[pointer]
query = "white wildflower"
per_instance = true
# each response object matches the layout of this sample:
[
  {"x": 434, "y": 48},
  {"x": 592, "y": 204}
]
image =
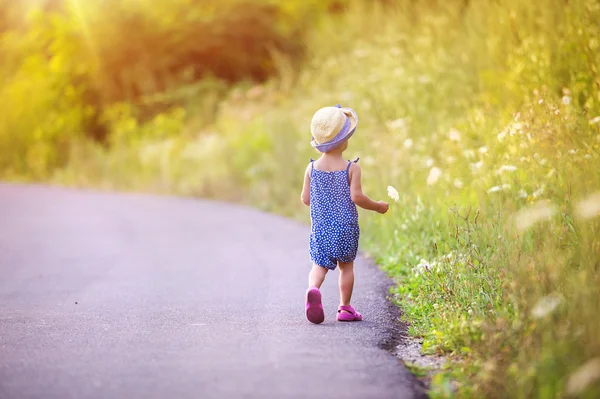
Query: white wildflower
[
  {"x": 544, "y": 306},
  {"x": 393, "y": 193},
  {"x": 429, "y": 162},
  {"x": 451, "y": 159},
  {"x": 408, "y": 143},
  {"x": 583, "y": 377},
  {"x": 502, "y": 135},
  {"x": 476, "y": 165},
  {"x": 483, "y": 150},
  {"x": 595, "y": 120},
  {"x": 566, "y": 100},
  {"x": 507, "y": 168},
  {"x": 458, "y": 183},
  {"x": 529, "y": 216},
  {"x": 403, "y": 226},
  {"x": 454, "y": 135},
  {"x": 498, "y": 188},
  {"x": 538, "y": 192},
  {"x": 589, "y": 207},
  {"x": 572, "y": 152},
  {"x": 434, "y": 175},
  {"x": 522, "y": 193}
]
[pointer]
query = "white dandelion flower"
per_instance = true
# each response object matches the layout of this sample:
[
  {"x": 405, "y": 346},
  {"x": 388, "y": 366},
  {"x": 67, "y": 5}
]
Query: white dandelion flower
[
  {"x": 434, "y": 175},
  {"x": 393, "y": 193},
  {"x": 544, "y": 306}
]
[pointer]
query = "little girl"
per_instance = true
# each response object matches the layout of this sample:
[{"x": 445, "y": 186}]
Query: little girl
[{"x": 332, "y": 190}]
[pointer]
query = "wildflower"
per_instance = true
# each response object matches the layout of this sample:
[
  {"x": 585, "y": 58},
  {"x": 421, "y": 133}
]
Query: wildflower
[
  {"x": 527, "y": 217},
  {"x": 507, "y": 168},
  {"x": 498, "y": 188},
  {"x": 393, "y": 193},
  {"x": 589, "y": 207},
  {"x": 572, "y": 152},
  {"x": 429, "y": 162},
  {"x": 408, "y": 143},
  {"x": 454, "y": 135},
  {"x": 476, "y": 165},
  {"x": 544, "y": 306},
  {"x": 458, "y": 183},
  {"x": 450, "y": 159},
  {"x": 538, "y": 192},
  {"x": 595, "y": 120},
  {"x": 583, "y": 377},
  {"x": 566, "y": 100},
  {"x": 434, "y": 175},
  {"x": 523, "y": 194},
  {"x": 483, "y": 150},
  {"x": 502, "y": 135}
]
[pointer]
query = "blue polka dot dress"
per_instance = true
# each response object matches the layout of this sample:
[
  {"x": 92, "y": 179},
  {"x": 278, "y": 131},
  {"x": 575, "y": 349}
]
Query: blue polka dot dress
[{"x": 334, "y": 218}]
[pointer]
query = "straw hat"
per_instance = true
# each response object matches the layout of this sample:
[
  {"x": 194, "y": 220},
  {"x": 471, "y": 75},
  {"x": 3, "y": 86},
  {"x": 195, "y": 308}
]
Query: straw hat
[{"x": 331, "y": 126}]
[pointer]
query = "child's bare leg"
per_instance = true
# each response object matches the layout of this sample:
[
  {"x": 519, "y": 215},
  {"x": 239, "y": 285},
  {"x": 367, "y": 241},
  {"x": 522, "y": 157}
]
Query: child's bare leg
[
  {"x": 346, "y": 282},
  {"x": 317, "y": 276}
]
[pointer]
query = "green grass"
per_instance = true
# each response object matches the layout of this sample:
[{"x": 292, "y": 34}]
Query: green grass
[{"x": 485, "y": 119}]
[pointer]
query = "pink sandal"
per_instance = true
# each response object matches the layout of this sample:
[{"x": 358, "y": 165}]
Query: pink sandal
[
  {"x": 349, "y": 315},
  {"x": 314, "y": 308}
]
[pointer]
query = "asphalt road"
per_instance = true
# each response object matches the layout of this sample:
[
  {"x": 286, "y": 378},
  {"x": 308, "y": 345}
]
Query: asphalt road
[{"x": 133, "y": 296}]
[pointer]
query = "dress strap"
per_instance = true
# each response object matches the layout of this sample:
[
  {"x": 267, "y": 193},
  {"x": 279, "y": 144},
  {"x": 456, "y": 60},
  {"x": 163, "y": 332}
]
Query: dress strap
[
  {"x": 312, "y": 166},
  {"x": 348, "y": 168}
]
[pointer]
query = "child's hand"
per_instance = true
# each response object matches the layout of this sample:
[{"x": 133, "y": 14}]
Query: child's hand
[{"x": 383, "y": 207}]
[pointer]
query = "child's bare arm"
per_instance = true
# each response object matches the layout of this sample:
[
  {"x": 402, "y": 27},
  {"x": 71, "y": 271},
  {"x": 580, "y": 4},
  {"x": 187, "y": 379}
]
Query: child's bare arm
[
  {"x": 305, "y": 196},
  {"x": 358, "y": 197}
]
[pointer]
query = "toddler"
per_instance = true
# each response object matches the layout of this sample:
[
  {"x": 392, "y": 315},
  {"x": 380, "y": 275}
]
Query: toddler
[{"x": 332, "y": 190}]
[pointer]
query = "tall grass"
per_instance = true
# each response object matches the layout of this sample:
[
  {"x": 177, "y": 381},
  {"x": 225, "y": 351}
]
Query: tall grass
[{"x": 485, "y": 116}]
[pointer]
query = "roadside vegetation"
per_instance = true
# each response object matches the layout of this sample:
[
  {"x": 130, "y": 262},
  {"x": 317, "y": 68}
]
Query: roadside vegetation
[{"x": 483, "y": 117}]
